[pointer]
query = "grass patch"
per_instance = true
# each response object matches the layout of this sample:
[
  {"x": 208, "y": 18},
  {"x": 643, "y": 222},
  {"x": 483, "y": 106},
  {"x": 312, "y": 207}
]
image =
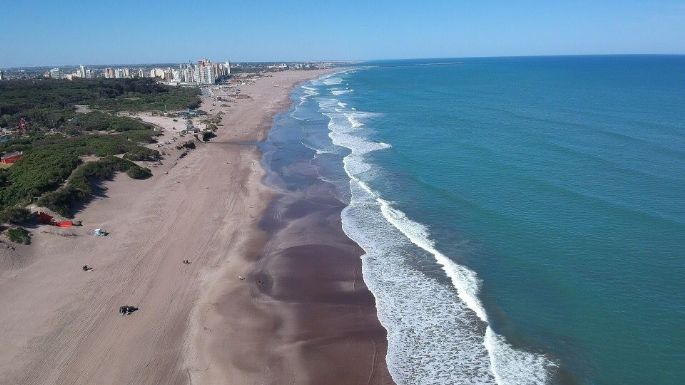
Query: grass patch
[{"x": 19, "y": 235}]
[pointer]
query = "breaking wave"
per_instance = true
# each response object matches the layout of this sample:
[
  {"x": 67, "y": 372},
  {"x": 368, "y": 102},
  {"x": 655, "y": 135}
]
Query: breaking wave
[{"x": 438, "y": 333}]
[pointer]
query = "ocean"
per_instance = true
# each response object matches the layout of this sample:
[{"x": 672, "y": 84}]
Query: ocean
[{"x": 522, "y": 219}]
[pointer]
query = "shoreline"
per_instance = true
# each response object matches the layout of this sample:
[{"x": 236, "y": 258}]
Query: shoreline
[
  {"x": 282, "y": 298},
  {"x": 205, "y": 207}
]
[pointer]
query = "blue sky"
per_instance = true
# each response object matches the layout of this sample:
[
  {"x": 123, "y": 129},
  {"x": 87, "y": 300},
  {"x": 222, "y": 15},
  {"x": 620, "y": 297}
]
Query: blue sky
[{"x": 52, "y": 32}]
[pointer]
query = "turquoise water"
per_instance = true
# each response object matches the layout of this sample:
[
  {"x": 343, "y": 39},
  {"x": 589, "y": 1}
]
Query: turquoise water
[{"x": 523, "y": 218}]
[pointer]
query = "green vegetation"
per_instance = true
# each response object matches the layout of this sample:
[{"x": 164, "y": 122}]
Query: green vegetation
[
  {"x": 51, "y": 170},
  {"x": 16, "y": 215},
  {"x": 142, "y": 153},
  {"x": 101, "y": 121},
  {"x": 19, "y": 235},
  {"x": 49, "y": 161},
  {"x": 50, "y": 104},
  {"x": 139, "y": 172},
  {"x": 80, "y": 187}
]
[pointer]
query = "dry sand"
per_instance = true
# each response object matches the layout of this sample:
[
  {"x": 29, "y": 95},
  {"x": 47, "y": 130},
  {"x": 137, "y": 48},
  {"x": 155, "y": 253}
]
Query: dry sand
[{"x": 197, "y": 323}]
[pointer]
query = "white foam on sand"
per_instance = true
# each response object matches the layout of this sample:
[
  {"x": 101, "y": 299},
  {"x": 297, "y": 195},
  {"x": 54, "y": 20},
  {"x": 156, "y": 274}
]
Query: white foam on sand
[{"x": 437, "y": 333}]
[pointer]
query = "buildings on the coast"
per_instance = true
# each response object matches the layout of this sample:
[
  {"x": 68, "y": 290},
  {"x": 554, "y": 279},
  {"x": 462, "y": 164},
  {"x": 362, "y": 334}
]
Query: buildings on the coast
[
  {"x": 192, "y": 73},
  {"x": 201, "y": 72},
  {"x": 204, "y": 71}
]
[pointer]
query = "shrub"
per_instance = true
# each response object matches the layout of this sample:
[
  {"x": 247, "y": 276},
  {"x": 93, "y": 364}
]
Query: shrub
[
  {"x": 60, "y": 201},
  {"x": 19, "y": 235},
  {"x": 50, "y": 159},
  {"x": 16, "y": 215},
  {"x": 79, "y": 189},
  {"x": 142, "y": 153},
  {"x": 138, "y": 172},
  {"x": 207, "y": 135}
]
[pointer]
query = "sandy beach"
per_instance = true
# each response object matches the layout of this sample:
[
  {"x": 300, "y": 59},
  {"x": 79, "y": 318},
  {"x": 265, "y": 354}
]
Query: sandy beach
[{"x": 208, "y": 322}]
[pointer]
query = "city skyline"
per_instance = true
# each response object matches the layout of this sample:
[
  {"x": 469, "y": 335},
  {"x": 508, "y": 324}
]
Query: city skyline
[
  {"x": 202, "y": 72},
  {"x": 165, "y": 63}
]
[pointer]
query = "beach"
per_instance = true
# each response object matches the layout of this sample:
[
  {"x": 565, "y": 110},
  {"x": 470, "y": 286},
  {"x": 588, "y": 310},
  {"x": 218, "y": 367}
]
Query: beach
[{"x": 235, "y": 314}]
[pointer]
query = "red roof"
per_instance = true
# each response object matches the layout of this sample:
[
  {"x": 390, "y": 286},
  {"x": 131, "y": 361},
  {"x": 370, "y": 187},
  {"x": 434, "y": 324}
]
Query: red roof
[{"x": 11, "y": 158}]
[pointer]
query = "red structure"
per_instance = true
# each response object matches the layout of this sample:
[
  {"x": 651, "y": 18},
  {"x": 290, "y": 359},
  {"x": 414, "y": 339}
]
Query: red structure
[
  {"x": 11, "y": 158},
  {"x": 44, "y": 219}
]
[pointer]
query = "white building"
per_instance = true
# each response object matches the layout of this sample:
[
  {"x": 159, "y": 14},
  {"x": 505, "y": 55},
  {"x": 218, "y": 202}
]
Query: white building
[
  {"x": 56, "y": 73},
  {"x": 157, "y": 73}
]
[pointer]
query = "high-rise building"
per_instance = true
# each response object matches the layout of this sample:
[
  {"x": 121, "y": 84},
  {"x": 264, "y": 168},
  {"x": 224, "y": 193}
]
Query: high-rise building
[
  {"x": 1, "y": 75},
  {"x": 206, "y": 72},
  {"x": 56, "y": 73},
  {"x": 157, "y": 73},
  {"x": 82, "y": 72}
]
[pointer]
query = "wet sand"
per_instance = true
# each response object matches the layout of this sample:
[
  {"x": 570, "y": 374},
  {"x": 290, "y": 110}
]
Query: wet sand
[
  {"x": 301, "y": 315},
  {"x": 304, "y": 291}
]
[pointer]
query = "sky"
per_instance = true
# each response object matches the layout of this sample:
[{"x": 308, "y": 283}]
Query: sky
[{"x": 65, "y": 32}]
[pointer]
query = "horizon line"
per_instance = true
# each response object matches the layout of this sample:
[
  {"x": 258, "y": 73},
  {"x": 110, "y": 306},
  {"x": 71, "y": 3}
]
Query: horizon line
[{"x": 355, "y": 61}]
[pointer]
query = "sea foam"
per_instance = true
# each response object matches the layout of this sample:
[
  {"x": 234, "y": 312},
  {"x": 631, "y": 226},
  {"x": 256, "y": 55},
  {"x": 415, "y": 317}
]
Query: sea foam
[{"x": 437, "y": 333}]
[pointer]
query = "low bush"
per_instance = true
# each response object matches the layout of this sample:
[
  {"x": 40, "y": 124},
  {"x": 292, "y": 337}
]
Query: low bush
[
  {"x": 142, "y": 153},
  {"x": 207, "y": 135},
  {"x": 138, "y": 172},
  {"x": 49, "y": 160},
  {"x": 79, "y": 188},
  {"x": 19, "y": 235},
  {"x": 16, "y": 215},
  {"x": 101, "y": 121}
]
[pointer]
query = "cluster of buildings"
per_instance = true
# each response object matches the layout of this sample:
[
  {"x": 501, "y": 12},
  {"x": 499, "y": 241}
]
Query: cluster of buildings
[
  {"x": 193, "y": 73},
  {"x": 81, "y": 72},
  {"x": 202, "y": 72}
]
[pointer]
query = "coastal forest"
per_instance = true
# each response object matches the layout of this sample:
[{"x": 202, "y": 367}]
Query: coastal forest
[{"x": 54, "y": 124}]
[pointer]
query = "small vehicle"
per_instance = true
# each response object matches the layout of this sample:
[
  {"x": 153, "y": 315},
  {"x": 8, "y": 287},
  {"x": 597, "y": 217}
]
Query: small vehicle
[{"x": 127, "y": 309}]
